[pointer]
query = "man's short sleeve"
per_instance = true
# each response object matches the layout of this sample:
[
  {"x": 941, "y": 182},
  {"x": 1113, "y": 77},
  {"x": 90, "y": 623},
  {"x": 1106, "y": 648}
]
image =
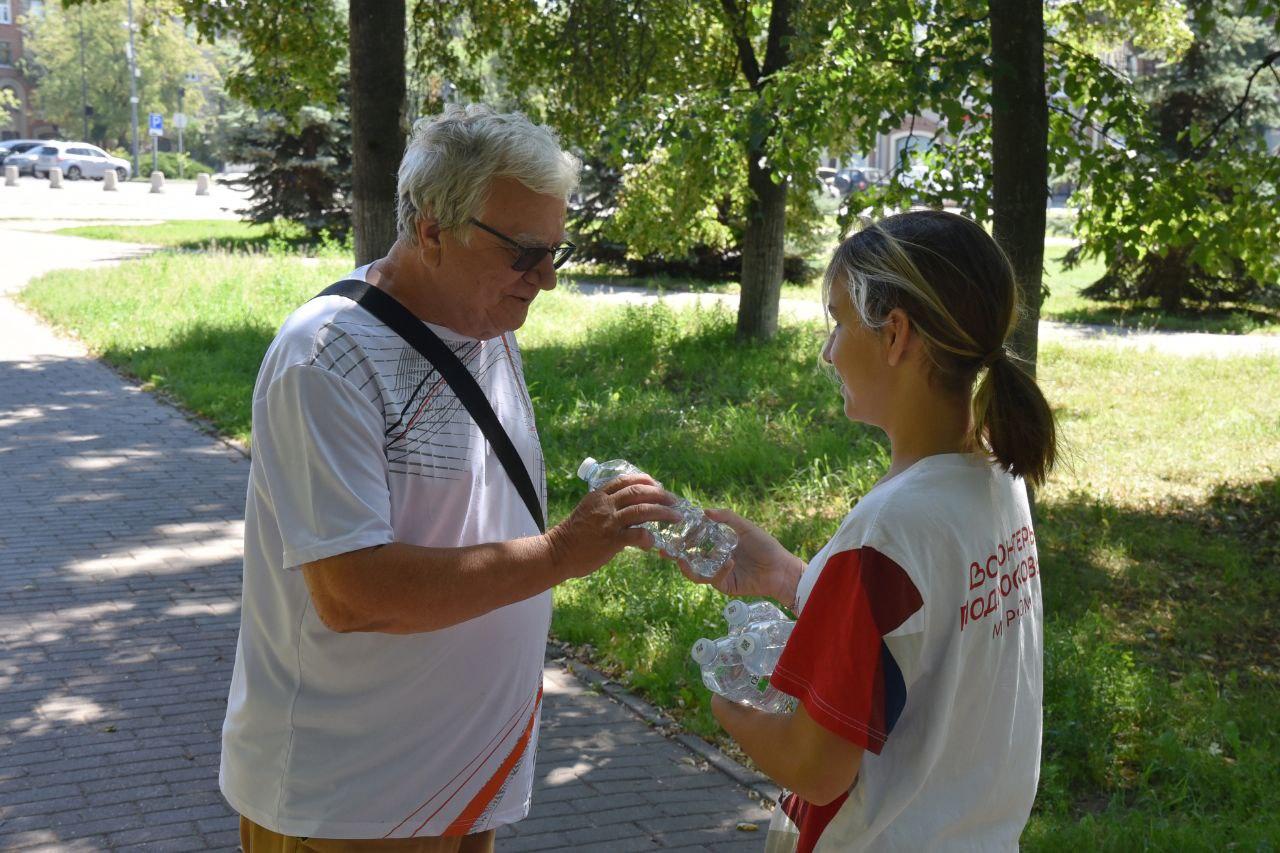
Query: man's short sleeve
[
  {"x": 838, "y": 661},
  {"x": 318, "y": 448}
]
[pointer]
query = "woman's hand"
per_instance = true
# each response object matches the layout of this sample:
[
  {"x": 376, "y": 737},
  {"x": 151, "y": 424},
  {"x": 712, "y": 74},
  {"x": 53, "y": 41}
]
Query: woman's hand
[{"x": 758, "y": 566}]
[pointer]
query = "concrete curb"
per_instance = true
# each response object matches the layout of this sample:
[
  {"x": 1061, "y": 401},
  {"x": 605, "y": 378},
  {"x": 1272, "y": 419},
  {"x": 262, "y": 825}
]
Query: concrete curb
[{"x": 757, "y": 783}]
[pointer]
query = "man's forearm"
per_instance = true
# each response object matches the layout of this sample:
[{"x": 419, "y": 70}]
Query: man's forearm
[{"x": 405, "y": 589}]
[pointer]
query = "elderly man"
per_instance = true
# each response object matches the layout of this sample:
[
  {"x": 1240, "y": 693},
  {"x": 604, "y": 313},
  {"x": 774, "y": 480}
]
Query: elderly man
[{"x": 387, "y": 683}]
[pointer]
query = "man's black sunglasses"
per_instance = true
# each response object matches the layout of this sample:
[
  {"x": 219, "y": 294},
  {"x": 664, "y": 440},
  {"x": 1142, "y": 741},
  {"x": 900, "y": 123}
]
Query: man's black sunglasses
[{"x": 528, "y": 257}]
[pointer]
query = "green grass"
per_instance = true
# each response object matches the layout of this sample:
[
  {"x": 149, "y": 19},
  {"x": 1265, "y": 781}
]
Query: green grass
[
  {"x": 1065, "y": 304},
  {"x": 1160, "y": 536},
  {"x": 212, "y": 235}
]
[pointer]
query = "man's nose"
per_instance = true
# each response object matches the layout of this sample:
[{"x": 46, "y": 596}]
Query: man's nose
[{"x": 544, "y": 274}]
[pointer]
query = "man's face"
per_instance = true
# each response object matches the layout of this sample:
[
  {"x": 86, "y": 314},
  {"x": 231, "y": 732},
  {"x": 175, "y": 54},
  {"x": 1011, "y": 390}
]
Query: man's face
[{"x": 489, "y": 296}]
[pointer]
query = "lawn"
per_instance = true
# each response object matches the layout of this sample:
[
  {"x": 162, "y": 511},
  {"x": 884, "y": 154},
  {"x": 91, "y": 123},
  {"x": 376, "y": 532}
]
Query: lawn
[
  {"x": 1063, "y": 303},
  {"x": 1160, "y": 536},
  {"x": 209, "y": 234}
]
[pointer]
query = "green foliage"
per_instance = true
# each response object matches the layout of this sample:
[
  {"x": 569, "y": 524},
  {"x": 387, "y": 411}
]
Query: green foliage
[
  {"x": 300, "y": 169},
  {"x": 8, "y": 105},
  {"x": 167, "y": 162},
  {"x": 292, "y": 52},
  {"x": 166, "y": 54},
  {"x": 1185, "y": 209},
  {"x": 659, "y": 98}
]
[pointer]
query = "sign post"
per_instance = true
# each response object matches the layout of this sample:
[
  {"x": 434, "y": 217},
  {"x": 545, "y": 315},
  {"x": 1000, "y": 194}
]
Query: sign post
[
  {"x": 180, "y": 122},
  {"x": 155, "y": 127}
]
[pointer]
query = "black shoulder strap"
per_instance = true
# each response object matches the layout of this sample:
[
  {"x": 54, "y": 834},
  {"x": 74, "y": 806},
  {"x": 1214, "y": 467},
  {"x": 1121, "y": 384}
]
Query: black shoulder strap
[{"x": 382, "y": 305}]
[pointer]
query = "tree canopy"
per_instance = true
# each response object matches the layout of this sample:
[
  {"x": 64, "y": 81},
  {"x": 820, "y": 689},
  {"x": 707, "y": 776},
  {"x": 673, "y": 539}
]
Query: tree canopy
[{"x": 167, "y": 54}]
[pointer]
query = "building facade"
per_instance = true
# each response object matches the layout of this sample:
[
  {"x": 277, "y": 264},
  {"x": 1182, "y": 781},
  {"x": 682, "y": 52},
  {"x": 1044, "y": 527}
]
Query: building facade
[{"x": 24, "y": 123}]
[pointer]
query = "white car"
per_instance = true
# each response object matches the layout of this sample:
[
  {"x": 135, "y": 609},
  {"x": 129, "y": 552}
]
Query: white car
[
  {"x": 79, "y": 160},
  {"x": 20, "y": 153}
]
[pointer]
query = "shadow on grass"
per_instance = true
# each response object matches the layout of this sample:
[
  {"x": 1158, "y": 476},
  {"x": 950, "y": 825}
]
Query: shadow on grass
[
  {"x": 208, "y": 370},
  {"x": 1191, "y": 579},
  {"x": 1227, "y": 321},
  {"x": 1162, "y": 671}
]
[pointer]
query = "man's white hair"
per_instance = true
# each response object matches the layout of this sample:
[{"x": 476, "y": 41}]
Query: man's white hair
[{"x": 451, "y": 160}]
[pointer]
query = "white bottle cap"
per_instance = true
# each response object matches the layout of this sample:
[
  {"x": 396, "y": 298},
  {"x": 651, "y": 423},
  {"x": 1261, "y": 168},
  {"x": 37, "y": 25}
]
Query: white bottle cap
[
  {"x": 735, "y": 612},
  {"x": 704, "y": 651},
  {"x": 747, "y": 643},
  {"x": 585, "y": 468}
]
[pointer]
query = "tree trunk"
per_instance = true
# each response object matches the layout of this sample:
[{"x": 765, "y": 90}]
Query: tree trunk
[
  {"x": 762, "y": 252},
  {"x": 377, "y": 122},
  {"x": 1020, "y": 154}
]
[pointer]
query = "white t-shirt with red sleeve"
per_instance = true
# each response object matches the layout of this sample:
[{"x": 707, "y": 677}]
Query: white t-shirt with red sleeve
[
  {"x": 920, "y": 639},
  {"x": 357, "y": 442}
]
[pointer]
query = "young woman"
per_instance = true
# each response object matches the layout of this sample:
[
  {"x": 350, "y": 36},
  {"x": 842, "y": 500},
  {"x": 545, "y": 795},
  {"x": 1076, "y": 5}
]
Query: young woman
[{"x": 917, "y": 652}]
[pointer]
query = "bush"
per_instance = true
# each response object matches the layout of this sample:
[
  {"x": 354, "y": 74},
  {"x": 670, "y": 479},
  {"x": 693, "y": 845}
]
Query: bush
[{"x": 167, "y": 162}]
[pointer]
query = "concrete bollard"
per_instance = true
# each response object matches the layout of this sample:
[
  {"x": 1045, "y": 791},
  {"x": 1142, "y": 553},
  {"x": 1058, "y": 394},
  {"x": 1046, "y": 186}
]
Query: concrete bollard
[
  {"x": 109, "y": 180},
  {"x": 10, "y": 176},
  {"x": 202, "y": 183},
  {"x": 55, "y": 178},
  {"x": 157, "y": 182}
]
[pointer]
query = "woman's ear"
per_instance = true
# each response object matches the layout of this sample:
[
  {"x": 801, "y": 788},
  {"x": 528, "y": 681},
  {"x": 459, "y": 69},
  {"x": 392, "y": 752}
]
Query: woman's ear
[{"x": 898, "y": 337}]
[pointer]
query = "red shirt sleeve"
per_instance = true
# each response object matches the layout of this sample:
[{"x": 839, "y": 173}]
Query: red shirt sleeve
[{"x": 836, "y": 661}]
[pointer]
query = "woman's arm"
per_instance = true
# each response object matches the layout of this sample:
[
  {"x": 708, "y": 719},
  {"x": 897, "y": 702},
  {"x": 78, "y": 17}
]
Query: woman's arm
[{"x": 797, "y": 753}]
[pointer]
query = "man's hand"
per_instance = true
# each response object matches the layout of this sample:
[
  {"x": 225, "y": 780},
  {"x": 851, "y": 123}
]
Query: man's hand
[
  {"x": 603, "y": 523},
  {"x": 758, "y": 566}
]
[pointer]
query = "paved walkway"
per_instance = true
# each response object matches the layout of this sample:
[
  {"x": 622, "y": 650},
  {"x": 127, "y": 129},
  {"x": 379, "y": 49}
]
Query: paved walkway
[
  {"x": 120, "y": 536},
  {"x": 32, "y": 198}
]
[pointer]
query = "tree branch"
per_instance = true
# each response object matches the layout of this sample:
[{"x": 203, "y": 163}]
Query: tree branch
[
  {"x": 1267, "y": 62},
  {"x": 736, "y": 17},
  {"x": 1102, "y": 131},
  {"x": 777, "y": 51}
]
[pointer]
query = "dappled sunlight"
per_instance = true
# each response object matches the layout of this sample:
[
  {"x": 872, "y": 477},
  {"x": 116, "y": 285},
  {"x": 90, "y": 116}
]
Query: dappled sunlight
[
  {"x": 16, "y": 416},
  {"x": 70, "y": 709},
  {"x": 202, "y": 608},
  {"x": 224, "y": 546},
  {"x": 568, "y": 774},
  {"x": 48, "y": 627},
  {"x": 93, "y": 463}
]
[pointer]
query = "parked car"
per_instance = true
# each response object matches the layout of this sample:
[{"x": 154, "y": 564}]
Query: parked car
[
  {"x": 826, "y": 177},
  {"x": 20, "y": 153},
  {"x": 856, "y": 180},
  {"x": 79, "y": 160}
]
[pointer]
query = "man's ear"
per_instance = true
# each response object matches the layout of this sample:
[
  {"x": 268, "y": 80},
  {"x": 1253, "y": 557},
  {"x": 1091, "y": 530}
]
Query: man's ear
[
  {"x": 898, "y": 336},
  {"x": 429, "y": 245}
]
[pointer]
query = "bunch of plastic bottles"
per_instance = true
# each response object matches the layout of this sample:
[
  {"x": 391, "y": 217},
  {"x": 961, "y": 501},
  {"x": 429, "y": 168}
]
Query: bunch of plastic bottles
[
  {"x": 703, "y": 543},
  {"x": 738, "y": 666}
]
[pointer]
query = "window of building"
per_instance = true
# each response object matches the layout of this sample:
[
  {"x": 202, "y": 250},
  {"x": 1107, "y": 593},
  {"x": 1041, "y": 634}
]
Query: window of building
[
  {"x": 6, "y": 53},
  {"x": 6, "y": 11}
]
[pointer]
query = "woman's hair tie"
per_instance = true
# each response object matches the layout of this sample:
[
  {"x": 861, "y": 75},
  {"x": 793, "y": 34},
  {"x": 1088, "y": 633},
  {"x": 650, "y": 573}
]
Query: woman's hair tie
[{"x": 993, "y": 356}]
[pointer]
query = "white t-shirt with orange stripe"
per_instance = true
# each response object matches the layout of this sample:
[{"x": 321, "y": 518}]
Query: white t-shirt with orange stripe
[{"x": 357, "y": 442}]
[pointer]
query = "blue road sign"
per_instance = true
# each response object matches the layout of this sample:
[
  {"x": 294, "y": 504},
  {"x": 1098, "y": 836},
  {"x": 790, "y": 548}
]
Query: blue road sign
[{"x": 155, "y": 124}]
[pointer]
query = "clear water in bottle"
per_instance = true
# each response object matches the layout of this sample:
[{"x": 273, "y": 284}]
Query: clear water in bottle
[
  {"x": 761, "y": 645},
  {"x": 739, "y": 614},
  {"x": 724, "y": 672},
  {"x": 704, "y": 543}
]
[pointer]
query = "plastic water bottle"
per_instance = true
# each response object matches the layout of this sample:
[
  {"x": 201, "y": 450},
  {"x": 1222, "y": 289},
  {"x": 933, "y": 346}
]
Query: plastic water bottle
[
  {"x": 761, "y": 645},
  {"x": 703, "y": 543},
  {"x": 739, "y": 614},
  {"x": 723, "y": 672}
]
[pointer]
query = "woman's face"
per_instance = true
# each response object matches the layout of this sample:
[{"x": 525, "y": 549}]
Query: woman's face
[{"x": 857, "y": 354}]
